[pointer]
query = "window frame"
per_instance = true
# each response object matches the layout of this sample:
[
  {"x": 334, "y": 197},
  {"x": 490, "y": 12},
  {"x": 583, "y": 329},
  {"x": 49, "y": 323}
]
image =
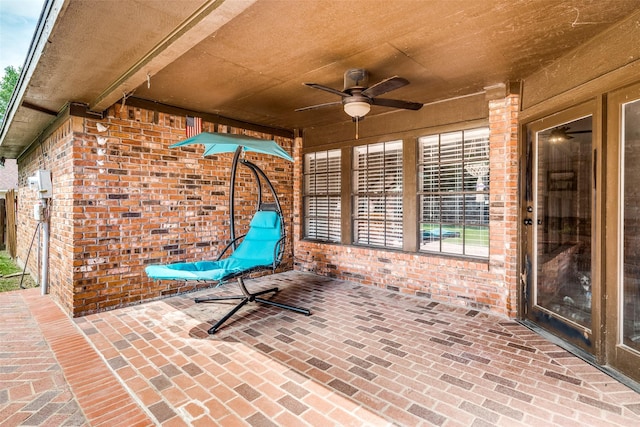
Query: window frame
[
  {"x": 328, "y": 176},
  {"x": 454, "y": 237},
  {"x": 375, "y": 216}
]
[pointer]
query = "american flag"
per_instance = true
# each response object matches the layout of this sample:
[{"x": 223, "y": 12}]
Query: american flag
[{"x": 194, "y": 126}]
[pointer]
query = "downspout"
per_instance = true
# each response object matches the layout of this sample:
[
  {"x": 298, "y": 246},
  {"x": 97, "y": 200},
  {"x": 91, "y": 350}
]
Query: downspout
[
  {"x": 41, "y": 182},
  {"x": 44, "y": 285}
]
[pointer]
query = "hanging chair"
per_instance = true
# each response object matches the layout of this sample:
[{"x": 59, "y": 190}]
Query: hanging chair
[{"x": 262, "y": 248}]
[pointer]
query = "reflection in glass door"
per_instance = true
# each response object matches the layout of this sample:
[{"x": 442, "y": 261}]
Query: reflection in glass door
[{"x": 561, "y": 222}]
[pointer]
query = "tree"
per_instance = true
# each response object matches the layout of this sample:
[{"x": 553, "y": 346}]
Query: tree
[{"x": 7, "y": 85}]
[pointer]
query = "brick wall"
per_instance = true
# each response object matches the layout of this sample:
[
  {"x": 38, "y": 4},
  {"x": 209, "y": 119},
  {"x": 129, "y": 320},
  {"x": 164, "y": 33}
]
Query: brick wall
[
  {"x": 488, "y": 285},
  {"x": 55, "y": 153},
  {"x": 123, "y": 200}
]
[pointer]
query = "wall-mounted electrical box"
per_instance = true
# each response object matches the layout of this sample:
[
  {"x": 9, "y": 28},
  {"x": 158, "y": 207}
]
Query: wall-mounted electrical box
[{"x": 41, "y": 182}]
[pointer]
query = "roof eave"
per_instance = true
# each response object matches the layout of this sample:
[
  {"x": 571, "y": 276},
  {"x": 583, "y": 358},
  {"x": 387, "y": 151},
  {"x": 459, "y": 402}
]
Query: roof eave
[{"x": 51, "y": 10}]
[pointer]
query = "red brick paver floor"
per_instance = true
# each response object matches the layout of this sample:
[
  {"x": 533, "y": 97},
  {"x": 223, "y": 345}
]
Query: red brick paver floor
[
  {"x": 365, "y": 357},
  {"x": 52, "y": 374},
  {"x": 33, "y": 389}
]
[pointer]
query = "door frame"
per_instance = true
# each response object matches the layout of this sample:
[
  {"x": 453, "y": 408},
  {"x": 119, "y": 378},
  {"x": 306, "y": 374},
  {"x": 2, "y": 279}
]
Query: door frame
[
  {"x": 618, "y": 356},
  {"x": 591, "y": 107}
]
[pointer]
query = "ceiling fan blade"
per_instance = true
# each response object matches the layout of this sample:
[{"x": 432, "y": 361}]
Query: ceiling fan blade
[
  {"x": 313, "y": 107},
  {"x": 396, "y": 103},
  {"x": 384, "y": 86},
  {"x": 327, "y": 89}
]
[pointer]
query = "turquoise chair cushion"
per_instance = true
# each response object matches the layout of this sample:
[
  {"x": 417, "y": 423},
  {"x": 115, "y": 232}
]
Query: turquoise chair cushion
[{"x": 257, "y": 249}]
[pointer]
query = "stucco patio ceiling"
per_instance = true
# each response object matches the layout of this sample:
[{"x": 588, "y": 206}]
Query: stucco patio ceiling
[{"x": 248, "y": 59}]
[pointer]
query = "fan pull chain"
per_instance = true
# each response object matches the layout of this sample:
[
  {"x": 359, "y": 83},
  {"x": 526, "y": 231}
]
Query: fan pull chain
[{"x": 357, "y": 126}]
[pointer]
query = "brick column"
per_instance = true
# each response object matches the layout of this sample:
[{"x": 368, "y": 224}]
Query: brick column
[
  {"x": 503, "y": 250},
  {"x": 298, "y": 170}
]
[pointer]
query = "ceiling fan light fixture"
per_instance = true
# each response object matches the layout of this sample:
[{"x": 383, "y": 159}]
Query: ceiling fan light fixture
[
  {"x": 558, "y": 135},
  {"x": 357, "y": 108}
]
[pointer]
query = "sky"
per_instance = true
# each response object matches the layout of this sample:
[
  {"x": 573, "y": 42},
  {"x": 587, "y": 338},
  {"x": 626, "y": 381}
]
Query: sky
[{"x": 18, "y": 19}]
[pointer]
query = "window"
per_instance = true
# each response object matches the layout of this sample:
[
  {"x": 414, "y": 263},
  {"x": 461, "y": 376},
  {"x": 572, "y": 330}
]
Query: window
[
  {"x": 453, "y": 192},
  {"x": 377, "y": 194},
  {"x": 322, "y": 196}
]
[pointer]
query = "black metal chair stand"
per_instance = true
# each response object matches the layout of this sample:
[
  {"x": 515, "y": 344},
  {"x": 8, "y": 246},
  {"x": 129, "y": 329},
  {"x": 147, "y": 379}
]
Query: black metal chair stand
[{"x": 244, "y": 299}]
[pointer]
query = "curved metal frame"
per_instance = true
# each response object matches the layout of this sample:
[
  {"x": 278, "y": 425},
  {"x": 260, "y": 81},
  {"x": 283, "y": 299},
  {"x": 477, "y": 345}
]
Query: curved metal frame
[
  {"x": 258, "y": 175},
  {"x": 246, "y": 295}
]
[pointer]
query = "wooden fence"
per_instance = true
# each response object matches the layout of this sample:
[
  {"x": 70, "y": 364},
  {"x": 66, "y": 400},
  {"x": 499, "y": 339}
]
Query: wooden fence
[
  {"x": 3, "y": 222},
  {"x": 10, "y": 222}
]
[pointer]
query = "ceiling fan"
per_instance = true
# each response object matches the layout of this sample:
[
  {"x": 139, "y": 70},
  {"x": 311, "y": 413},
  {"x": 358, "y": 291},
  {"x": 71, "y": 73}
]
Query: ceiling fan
[
  {"x": 357, "y": 96},
  {"x": 563, "y": 133}
]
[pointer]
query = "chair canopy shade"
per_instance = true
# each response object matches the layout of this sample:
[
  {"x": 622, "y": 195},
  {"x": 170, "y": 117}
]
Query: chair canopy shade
[{"x": 217, "y": 143}]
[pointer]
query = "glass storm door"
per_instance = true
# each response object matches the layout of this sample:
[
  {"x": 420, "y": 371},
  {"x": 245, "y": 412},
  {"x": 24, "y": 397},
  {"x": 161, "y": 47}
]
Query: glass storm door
[
  {"x": 559, "y": 227},
  {"x": 623, "y": 232}
]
